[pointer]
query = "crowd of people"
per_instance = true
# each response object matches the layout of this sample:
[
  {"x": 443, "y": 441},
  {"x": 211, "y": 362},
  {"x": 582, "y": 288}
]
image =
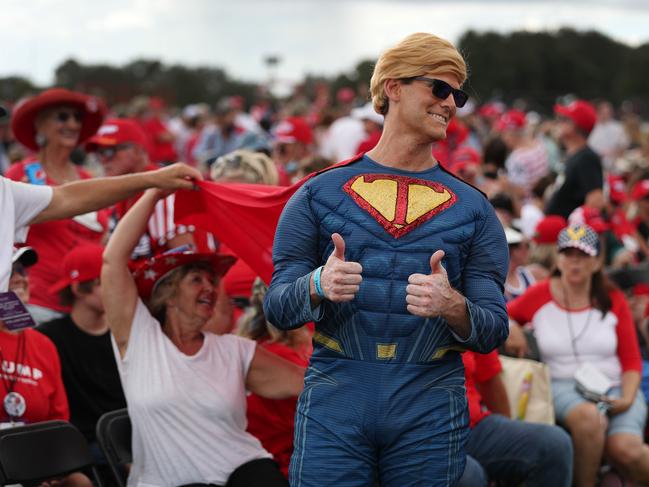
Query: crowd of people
[{"x": 136, "y": 308}]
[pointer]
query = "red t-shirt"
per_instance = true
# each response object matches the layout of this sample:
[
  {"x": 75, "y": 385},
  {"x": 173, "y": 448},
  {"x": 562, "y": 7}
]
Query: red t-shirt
[
  {"x": 271, "y": 420},
  {"x": 478, "y": 368},
  {"x": 54, "y": 239},
  {"x": 35, "y": 361}
]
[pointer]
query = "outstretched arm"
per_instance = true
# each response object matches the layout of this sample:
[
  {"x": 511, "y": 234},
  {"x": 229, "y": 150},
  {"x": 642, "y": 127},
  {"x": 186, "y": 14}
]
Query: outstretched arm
[
  {"x": 118, "y": 288},
  {"x": 92, "y": 194}
]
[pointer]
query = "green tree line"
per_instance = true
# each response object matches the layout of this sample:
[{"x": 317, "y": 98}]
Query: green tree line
[
  {"x": 542, "y": 66},
  {"x": 536, "y": 66}
]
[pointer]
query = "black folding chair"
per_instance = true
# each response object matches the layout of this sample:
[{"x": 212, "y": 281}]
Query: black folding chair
[
  {"x": 114, "y": 437},
  {"x": 37, "y": 452}
]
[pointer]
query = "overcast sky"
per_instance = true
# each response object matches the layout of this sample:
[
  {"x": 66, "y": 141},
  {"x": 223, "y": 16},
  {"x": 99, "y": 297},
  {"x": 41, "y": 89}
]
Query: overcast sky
[{"x": 311, "y": 36}]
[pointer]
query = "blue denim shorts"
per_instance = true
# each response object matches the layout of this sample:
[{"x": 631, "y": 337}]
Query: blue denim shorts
[{"x": 630, "y": 421}]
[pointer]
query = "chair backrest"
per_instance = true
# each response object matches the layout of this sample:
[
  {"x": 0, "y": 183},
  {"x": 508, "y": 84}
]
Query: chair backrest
[
  {"x": 114, "y": 437},
  {"x": 40, "y": 451}
]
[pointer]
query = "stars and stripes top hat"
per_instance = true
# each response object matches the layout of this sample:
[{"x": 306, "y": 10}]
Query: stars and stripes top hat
[{"x": 152, "y": 271}]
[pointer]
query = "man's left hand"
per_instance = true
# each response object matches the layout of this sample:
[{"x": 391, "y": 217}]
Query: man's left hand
[
  {"x": 429, "y": 295},
  {"x": 175, "y": 176}
]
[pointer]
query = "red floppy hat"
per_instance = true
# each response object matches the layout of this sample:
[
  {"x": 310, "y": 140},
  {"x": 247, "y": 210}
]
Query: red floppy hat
[
  {"x": 92, "y": 110},
  {"x": 150, "y": 272}
]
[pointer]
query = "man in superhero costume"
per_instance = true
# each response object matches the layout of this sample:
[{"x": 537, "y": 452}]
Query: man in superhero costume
[{"x": 401, "y": 266}]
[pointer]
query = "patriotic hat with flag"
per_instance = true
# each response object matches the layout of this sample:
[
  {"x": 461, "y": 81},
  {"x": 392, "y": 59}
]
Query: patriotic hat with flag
[
  {"x": 151, "y": 272},
  {"x": 579, "y": 236}
]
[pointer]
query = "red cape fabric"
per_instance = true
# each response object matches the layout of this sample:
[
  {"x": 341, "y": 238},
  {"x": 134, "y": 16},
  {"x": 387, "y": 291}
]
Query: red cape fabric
[{"x": 242, "y": 216}]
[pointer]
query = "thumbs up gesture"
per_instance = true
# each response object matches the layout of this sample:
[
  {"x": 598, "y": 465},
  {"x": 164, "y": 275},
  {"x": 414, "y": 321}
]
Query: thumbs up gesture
[
  {"x": 429, "y": 295},
  {"x": 340, "y": 279}
]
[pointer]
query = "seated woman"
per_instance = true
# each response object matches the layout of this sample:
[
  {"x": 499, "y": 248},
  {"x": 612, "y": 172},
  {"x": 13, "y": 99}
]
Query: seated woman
[
  {"x": 185, "y": 388},
  {"x": 272, "y": 420},
  {"x": 579, "y": 319}
]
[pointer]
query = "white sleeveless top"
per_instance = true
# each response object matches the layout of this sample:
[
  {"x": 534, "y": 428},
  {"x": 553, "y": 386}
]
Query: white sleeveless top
[{"x": 188, "y": 412}]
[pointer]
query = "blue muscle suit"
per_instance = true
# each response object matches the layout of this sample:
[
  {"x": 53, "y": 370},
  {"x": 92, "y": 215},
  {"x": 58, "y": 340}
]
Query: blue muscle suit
[{"x": 384, "y": 392}]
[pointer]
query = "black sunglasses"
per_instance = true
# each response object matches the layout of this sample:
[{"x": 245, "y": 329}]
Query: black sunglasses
[
  {"x": 107, "y": 153},
  {"x": 441, "y": 89},
  {"x": 64, "y": 116}
]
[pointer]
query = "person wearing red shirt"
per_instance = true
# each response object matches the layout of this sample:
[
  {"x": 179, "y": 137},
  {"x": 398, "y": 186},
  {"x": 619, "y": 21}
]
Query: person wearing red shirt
[
  {"x": 121, "y": 146},
  {"x": 272, "y": 420},
  {"x": 161, "y": 139},
  {"x": 580, "y": 321},
  {"x": 31, "y": 384},
  {"x": 52, "y": 124},
  {"x": 501, "y": 449}
]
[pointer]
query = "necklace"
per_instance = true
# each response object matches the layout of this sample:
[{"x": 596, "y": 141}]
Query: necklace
[
  {"x": 14, "y": 403},
  {"x": 573, "y": 338}
]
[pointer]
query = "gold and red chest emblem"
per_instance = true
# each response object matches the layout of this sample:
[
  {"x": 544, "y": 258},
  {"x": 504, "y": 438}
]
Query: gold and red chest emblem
[{"x": 400, "y": 204}]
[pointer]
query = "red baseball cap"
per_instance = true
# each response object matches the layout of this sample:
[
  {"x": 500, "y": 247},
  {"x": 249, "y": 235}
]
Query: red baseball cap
[
  {"x": 292, "y": 130},
  {"x": 581, "y": 112},
  {"x": 81, "y": 264},
  {"x": 511, "y": 120},
  {"x": 464, "y": 157},
  {"x": 150, "y": 272},
  {"x": 492, "y": 110},
  {"x": 640, "y": 190},
  {"x": 92, "y": 112},
  {"x": 547, "y": 230},
  {"x": 117, "y": 131},
  {"x": 591, "y": 217}
]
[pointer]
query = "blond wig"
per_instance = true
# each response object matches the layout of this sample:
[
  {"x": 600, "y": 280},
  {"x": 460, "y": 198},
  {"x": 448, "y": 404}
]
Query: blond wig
[{"x": 416, "y": 55}]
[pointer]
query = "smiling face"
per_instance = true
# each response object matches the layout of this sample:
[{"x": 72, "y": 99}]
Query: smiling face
[
  {"x": 60, "y": 126},
  {"x": 421, "y": 112},
  {"x": 195, "y": 295}
]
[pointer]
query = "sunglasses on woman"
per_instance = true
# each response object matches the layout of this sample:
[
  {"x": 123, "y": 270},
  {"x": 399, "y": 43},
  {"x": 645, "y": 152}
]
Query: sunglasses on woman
[
  {"x": 63, "y": 116},
  {"x": 441, "y": 89}
]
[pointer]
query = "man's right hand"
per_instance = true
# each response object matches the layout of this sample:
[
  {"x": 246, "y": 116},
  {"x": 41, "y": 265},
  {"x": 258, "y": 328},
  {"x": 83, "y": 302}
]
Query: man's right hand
[
  {"x": 176, "y": 176},
  {"x": 340, "y": 280}
]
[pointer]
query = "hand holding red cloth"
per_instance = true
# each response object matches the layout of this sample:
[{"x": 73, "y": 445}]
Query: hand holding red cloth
[{"x": 242, "y": 216}]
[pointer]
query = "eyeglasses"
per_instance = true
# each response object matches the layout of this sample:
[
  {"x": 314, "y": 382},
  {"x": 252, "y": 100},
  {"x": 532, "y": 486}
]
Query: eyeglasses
[
  {"x": 107, "y": 153},
  {"x": 441, "y": 89},
  {"x": 63, "y": 116}
]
